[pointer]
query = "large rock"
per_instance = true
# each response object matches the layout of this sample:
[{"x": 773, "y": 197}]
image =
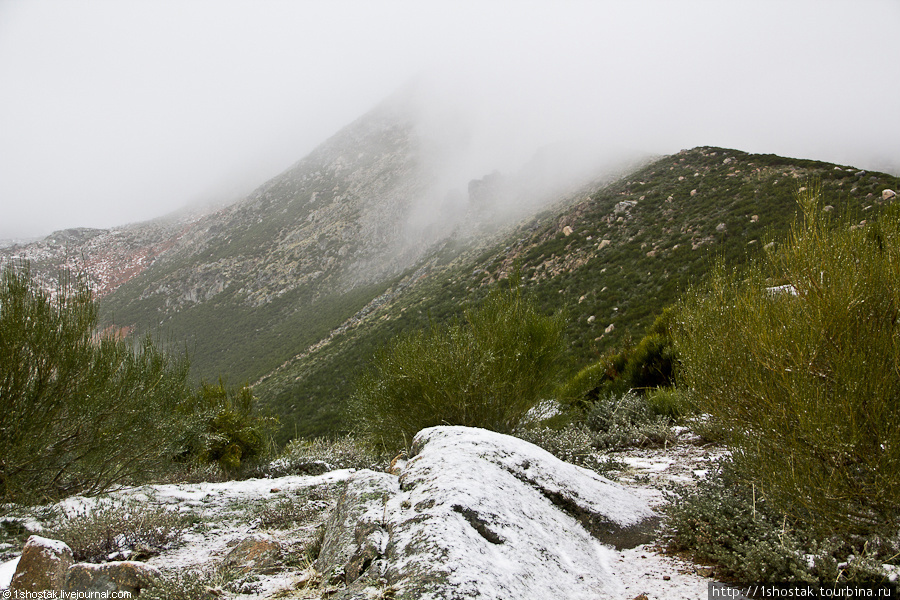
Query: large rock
[
  {"x": 256, "y": 553},
  {"x": 42, "y": 567},
  {"x": 482, "y": 515},
  {"x": 356, "y": 534},
  {"x": 122, "y": 576}
]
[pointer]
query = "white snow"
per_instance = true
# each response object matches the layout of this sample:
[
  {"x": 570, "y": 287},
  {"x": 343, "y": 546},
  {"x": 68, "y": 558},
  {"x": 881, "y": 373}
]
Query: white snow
[
  {"x": 7, "y": 570},
  {"x": 617, "y": 574}
]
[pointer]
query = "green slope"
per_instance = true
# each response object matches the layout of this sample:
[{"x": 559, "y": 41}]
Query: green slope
[{"x": 632, "y": 248}]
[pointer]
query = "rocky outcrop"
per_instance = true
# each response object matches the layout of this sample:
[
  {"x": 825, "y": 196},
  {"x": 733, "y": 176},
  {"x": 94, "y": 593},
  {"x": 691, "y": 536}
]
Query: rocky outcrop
[
  {"x": 480, "y": 514},
  {"x": 256, "y": 553},
  {"x": 42, "y": 567},
  {"x": 123, "y": 576}
]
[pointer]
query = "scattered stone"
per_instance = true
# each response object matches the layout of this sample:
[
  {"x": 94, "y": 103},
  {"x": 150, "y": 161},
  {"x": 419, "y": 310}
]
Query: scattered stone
[
  {"x": 610, "y": 329},
  {"x": 721, "y": 228},
  {"x": 754, "y": 219},
  {"x": 693, "y": 192},
  {"x": 124, "y": 576},
  {"x": 567, "y": 231},
  {"x": 42, "y": 567},
  {"x": 591, "y": 319},
  {"x": 603, "y": 244},
  {"x": 888, "y": 194},
  {"x": 829, "y": 208},
  {"x": 860, "y": 173},
  {"x": 256, "y": 553}
]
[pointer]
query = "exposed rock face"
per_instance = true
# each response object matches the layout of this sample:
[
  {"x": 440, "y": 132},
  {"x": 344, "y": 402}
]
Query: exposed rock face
[
  {"x": 124, "y": 576},
  {"x": 482, "y": 515},
  {"x": 258, "y": 553},
  {"x": 42, "y": 567}
]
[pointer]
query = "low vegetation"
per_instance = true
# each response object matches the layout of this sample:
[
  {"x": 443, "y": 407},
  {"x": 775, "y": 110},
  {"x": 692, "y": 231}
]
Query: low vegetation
[{"x": 486, "y": 371}]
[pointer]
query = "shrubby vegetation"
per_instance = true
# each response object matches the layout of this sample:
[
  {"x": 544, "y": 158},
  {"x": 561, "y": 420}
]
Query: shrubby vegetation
[
  {"x": 803, "y": 380},
  {"x": 80, "y": 411},
  {"x": 486, "y": 371},
  {"x": 83, "y": 411},
  {"x": 229, "y": 432}
]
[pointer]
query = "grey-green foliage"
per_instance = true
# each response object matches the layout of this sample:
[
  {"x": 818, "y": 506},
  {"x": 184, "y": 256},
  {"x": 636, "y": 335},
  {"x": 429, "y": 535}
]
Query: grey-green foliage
[
  {"x": 79, "y": 411},
  {"x": 486, "y": 371},
  {"x": 627, "y": 420},
  {"x": 95, "y": 532},
  {"x": 806, "y": 379}
]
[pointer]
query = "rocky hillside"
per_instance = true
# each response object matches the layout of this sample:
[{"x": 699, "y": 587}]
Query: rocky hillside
[
  {"x": 296, "y": 286},
  {"x": 610, "y": 257}
]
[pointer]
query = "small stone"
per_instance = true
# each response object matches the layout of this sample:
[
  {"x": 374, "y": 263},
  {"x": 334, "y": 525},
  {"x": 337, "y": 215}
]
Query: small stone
[
  {"x": 567, "y": 231},
  {"x": 591, "y": 319},
  {"x": 666, "y": 578},
  {"x": 721, "y": 228}
]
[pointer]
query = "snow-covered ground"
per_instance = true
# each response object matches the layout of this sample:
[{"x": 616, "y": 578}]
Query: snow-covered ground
[{"x": 226, "y": 513}]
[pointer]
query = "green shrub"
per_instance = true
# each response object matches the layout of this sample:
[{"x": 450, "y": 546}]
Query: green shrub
[
  {"x": 723, "y": 519},
  {"x": 230, "y": 432},
  {"x": 805, "y": 380},
  {"x": 668, "y": 402},
  {"x": 487, "y": 371},
  {"x": 80, "y": 411},
  {"x": 574, "y": 444}
]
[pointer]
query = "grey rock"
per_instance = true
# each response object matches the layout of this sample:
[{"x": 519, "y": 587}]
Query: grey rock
[
  {"x": 477, "y": 514},
  {"x": 256, "y": 553},
  {"x": 122, "y": 576}
]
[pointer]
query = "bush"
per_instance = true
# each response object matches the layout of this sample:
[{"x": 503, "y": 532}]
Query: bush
[
  {"x": 94, "y": 533},
  {"x": 312, "y": 457},
  {"x": 723, "y": 518},
  {"x": 805, "y": 379},
  {"x": 647, "y": 366},
  {"x": 229, "y": 431},
  {"x": 487, "y": 371},
  {"x": 80, "y": 411},
  {"x": 621, "y": 421}
]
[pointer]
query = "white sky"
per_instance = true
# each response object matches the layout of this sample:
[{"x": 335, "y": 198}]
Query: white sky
[{"x": 119, "y": 111}]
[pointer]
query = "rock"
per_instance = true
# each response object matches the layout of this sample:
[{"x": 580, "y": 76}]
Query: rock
[
  {"x": 754, "y": 219},
  {"x": 356, "y": 535},
  {"x": 42, "y": 567},
  {"x": 492, "y": 516},
  {"x": 610, "y": 329},
  {"x": 477, "y": 514},
  {"x": 125, "y": 576},
  {"x": 567, "y": 231},
  {"x": 591, "y": 319},
  {"x": 888, "y": 194},
  {"x": 721, "y": 228},
  {"x": 693, "y": 193},
  {"x": 603, "y": 244},
  {"x": 256, "y": 553}
]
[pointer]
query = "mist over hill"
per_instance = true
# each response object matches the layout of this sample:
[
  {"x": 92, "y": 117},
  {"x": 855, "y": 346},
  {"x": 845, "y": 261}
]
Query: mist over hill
[{"x": 400, "y": 220}]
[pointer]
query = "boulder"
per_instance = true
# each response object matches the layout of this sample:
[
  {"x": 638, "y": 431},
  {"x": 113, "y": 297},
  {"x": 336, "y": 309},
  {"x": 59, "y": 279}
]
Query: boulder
[
  {"x": 256, "y": 553},
  {"x": 477, "y": 514},
  {"x": 121, "y": 576},
  {"x": 42, "y": 567},
  {"x": 888, "y": 194}
]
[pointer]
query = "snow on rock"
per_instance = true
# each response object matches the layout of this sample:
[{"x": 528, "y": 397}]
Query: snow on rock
[
  {"x": 481, "y": 514},
  {"x": 42, "y": 566}
]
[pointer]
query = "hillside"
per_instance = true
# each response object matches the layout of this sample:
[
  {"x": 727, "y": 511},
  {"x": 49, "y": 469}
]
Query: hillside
[
  {"x": 611, "y": 259},
  {"x": 295, "y": 287}
]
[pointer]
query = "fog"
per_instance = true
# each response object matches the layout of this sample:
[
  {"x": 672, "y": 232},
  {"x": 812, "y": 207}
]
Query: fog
[{"x": 114, "y": 112}]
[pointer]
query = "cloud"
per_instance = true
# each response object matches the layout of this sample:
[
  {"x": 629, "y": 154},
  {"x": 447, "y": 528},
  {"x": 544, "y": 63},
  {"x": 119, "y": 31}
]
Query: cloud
[{"x": 114, "y": 112}]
